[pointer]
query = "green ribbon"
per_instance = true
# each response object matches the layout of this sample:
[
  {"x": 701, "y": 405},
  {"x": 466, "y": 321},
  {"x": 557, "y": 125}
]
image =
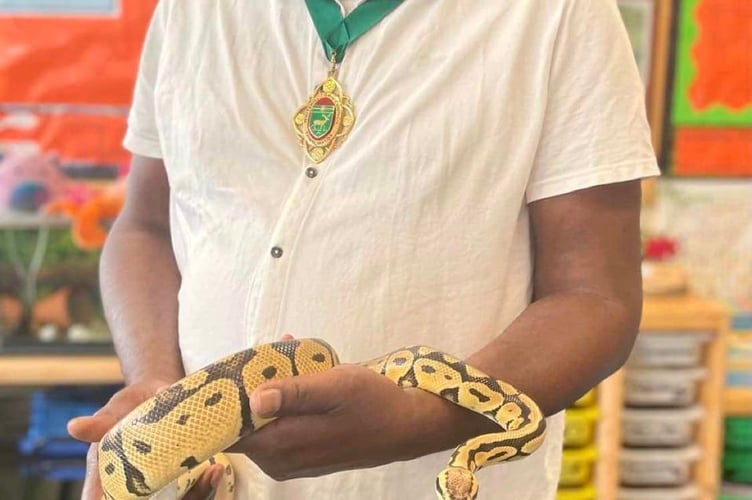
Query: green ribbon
[{"x": 337, "y": 32}]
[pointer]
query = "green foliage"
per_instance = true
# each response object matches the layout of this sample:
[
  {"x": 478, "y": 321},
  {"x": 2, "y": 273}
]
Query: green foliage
[{"x": 60, "y": 248}]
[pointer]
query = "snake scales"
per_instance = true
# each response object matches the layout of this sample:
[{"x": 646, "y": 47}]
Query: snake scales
[{"x": 178, "y": 432}]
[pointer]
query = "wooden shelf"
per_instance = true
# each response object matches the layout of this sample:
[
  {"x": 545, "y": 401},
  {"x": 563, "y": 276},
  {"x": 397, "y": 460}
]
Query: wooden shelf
[
  {"x": 59, "y": 370},
  {"x": 666, "y": 314},
  {"x": 19, "y": 220},
  {"x": 737, "y": 402}
]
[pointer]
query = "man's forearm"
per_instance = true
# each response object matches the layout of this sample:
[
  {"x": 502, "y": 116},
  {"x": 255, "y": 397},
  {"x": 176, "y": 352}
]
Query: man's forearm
[
  {"x": 557, "y": 349},
  {"x": 140, "y": 282},
  {"x": 562, "y": 345}
]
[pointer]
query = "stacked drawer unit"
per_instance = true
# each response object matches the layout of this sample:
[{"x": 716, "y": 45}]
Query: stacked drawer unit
[
  {"x": 739, "y": 367},
  {"x": 580, "y": 452},
  {"x": 737, "y": 457},
  {"x": 661, "y": 416}
]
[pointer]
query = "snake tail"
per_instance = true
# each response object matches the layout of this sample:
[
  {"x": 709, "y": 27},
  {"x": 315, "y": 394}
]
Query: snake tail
[{"x": 197, "y": 417}]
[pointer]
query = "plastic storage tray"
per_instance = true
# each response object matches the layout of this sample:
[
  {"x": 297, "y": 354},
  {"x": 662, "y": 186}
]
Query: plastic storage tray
[
  {"x": 577, "y": 467},
  {"x": 739, "y": 433},
  {"x": 730, "y": 491},
  {"x": 661, "y": 467},
  {"x": 50, "y": 411},
  {"x": 737, "y": 466},
  {"x": 668, "y": 349},
  {"x": 579, "y": 429},
  {"x": 585, "y": 493},
  {"x": 682, "y": 493},
  {"x": 739, "y": 351},
  {"x": 659, "y": 428},
  {"x": 662, "y": 388}
]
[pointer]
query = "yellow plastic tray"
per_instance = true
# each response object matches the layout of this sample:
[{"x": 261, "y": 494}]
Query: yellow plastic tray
[
  {"x": 579, "y": 428},
  {"x": 588, "y": 399},
  {"x": 584, "y": 493},
  {"x": 577, "y": 467}
]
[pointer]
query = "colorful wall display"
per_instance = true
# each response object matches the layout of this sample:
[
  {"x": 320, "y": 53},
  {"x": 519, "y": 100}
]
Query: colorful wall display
[
  {"x": 712, "y": 100},
  {"x": 67, "y": 71}
]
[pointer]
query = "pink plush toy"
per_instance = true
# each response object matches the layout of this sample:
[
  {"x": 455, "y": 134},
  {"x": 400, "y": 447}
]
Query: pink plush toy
[{"x": 29, "y": 181}]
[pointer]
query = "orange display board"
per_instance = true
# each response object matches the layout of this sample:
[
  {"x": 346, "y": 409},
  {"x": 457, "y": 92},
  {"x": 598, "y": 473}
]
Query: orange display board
[
  {"x": 723, "y": 55},
  {"x": 71, "y": 78},
  {"x": 708, "y": 151}
]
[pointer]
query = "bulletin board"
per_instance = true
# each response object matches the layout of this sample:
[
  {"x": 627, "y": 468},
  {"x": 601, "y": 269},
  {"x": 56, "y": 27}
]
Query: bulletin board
[
  {"x": 67, "y": 71},
  {"x": 712, "y": 100}
]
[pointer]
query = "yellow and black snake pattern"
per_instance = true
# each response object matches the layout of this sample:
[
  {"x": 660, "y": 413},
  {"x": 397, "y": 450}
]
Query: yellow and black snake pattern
[{"x": 180, "y": 431}]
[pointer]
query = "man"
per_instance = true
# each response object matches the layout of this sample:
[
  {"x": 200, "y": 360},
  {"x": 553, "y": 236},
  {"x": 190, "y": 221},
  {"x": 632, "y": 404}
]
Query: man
[{"x": 486, "y": 203}]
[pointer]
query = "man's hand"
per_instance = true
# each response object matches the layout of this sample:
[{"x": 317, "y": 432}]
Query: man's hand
[{"x": 350, "y": 417}]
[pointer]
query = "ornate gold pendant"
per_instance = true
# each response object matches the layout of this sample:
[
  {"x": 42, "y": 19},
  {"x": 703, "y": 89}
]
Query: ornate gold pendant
[{"x": 324, "y": 122}]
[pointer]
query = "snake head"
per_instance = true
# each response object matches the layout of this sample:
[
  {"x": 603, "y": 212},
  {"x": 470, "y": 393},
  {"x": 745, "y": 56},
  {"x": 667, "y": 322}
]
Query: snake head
[{"x": 455, "y": 483}]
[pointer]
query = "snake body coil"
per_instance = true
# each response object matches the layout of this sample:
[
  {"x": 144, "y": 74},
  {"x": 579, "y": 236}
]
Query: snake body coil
[{"x": 178, "y": 432}]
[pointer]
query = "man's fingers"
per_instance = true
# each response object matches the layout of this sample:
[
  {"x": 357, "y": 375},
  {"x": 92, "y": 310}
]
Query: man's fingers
[
  {"x": 91, "y": 429},
  {"x": 207, "y": 483},
  {"x": 92, "y": 486},
  {"x": 287, "y": 337},
  {"x": 304, "y": 395}
]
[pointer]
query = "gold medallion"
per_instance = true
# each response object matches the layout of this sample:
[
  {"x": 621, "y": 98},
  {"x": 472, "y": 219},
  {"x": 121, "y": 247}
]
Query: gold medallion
[{"x": 324, "y": 122}]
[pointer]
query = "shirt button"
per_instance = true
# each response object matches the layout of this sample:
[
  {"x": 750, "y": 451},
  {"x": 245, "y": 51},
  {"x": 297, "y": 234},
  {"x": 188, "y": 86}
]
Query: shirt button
[
  {"x": 277, "y": 252},
  {"x": 311, "y": 172}
]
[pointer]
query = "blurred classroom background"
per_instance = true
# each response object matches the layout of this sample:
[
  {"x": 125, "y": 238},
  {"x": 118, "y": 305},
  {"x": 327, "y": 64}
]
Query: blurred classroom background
[{"x": 674, "y": 424}]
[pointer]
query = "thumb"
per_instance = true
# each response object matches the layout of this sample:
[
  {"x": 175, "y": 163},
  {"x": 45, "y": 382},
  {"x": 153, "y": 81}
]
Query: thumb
[
  {"x": 294, "y": 396},
  {"x": 92, "y": 428}
]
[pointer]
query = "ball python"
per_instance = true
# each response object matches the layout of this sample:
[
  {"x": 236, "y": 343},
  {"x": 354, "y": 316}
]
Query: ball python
[{"x": 182, "y": 430}]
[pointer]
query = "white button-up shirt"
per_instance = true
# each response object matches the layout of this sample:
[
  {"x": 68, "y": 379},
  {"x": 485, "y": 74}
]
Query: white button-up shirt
[{"x": 416, "y": 230}]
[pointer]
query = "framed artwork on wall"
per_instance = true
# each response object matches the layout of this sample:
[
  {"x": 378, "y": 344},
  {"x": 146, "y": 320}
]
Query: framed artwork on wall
[{"x": 711, "y": 114}]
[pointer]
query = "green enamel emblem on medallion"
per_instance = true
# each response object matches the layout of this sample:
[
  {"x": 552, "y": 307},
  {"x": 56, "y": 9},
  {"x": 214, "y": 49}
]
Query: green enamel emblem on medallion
[
  {"x": 325, "y": 121},
  {"x": 321, "y": 119}
]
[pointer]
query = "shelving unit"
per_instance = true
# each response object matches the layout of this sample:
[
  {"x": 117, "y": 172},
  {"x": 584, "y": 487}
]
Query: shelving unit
[
  {"x": 22, "y": 221},
  {"x": 667, "y": 315},
  {"x": 664, "y": 316}
]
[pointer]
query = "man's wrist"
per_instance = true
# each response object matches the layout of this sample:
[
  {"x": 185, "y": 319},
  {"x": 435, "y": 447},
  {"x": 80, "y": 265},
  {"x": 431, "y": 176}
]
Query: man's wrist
[{"x": 441, "y": 425}]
